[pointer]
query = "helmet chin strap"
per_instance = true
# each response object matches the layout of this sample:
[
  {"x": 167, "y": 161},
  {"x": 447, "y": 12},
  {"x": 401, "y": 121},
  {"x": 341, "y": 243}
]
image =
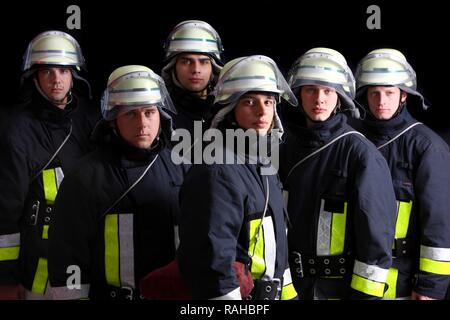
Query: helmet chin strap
[{"x": 54, "y": 102}]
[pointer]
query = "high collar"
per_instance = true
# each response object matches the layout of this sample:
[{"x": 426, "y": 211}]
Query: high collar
[
  {"x": 320, "y": 132},
  {"x": 186, "y": 102},
  {"x": 51, "y": 114},
  {"x": 389, "y": 127}
]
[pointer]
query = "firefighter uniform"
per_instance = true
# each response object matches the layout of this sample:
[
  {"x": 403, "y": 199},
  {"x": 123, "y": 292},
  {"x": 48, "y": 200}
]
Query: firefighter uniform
[
  {"x": 39, "y": 145},
  {"x": 341, "y": 207},
  {"x": 117, "y": 210},
  {"x": 27, "y": 195},
  {"x": 233, "y": 212},
  {"x": 337, "y": 186},
  {"x": 419, "y": 161},
  {"x": 114, "y": 251}
]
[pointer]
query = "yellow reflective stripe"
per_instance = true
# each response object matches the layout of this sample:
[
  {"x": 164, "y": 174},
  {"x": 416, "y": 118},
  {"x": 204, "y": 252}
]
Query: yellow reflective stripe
[
  {"x": 367, "y": 286},
  {"x": 112, "y": 250},
  {"x": 404, "y": 213},
  {"x": 258, "y": 264},
  {"x": 338, "y": 232},
  {"x": 40, "y": 277},
  {"x": 391, "y": 281},
  {"x": 45, "y": 231},
  {"x": 434, "y": 266},
  {"x": 11, "y": 253},
  {"x": 288, "y": 292},
  {"x": 50, "y": 186}
]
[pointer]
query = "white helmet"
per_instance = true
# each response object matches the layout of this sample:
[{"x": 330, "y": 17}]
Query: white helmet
[
  {"x": 252, "y": 73},
  {"x": 194, "y": 36},
  {"x": 132, "y": 87},
  {"x": 247, "y": 74},
  {"x": 326, "y": 67},
  {"x": 387, "y": 67},
  {"x": 53, "y": 48}
]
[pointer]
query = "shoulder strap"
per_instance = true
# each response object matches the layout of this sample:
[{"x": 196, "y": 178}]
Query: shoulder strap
[
  {"x": 398, "y": 135},
  {"x": 130, "y": 188},
  {"x": 321, "y": 149},
  {"x": 54, "y": 155}
]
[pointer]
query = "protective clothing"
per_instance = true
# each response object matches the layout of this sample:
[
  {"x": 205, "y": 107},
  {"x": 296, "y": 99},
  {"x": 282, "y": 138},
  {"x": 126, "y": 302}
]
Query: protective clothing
[
  {"x": 253, "y": 230},
  {"x": 419, "y": 162}
]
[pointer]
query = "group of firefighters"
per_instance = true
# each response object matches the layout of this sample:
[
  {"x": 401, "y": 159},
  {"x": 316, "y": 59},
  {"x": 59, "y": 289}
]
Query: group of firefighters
[{"x": 92, "y": 204}]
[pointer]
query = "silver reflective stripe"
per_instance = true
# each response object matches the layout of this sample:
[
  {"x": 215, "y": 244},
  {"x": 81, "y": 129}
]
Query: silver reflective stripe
[
  {"x": 285, "y": 197},
  {"x": 287, "y": 278},
  {"x": 232, "y": 295},
  {"x": 370, "y": 271},
  {"x": 59, "y": 174},
  {"x": 270, "y": 248},
  {"x": 433, "y": 253},
  {"x": 9, "y": 240},
  {"x": 64, "y": 293},
  {"x": 126, "y": 250},
  {"x": 324, "y": 231},
  {"x": 176, "y": 236}
]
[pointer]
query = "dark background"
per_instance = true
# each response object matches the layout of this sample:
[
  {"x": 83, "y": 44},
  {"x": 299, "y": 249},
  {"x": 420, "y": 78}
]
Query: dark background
[{"x": 133, "y": 32}]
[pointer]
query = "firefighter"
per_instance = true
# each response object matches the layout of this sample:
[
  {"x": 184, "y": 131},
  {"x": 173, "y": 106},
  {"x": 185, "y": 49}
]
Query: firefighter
[
  {"x": 337, "y": 186},
  {"x": 44, "y": 136},
  {"x": 117, "y": 210},
  {"x": 193, "y": 58},
  {"x": 419, "y": 161},
  {"x": 232, "y": 208}
]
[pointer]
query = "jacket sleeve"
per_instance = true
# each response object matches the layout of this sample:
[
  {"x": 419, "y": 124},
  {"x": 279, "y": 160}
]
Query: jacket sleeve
[
  {"x": 211, "y": 218},
  {"x": 14, "y": 184},
  {"x": 70, "y": 238},
  {"x": 374, "y": 219},
  {"x": 433, "y": 204}
]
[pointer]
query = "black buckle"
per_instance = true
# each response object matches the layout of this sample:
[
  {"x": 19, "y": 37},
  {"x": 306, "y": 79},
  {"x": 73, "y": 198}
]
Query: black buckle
[
  {"x": 401, "y": 247},
  {"x": 122, "y": 293},
  {"x": 266, "y": 290}
]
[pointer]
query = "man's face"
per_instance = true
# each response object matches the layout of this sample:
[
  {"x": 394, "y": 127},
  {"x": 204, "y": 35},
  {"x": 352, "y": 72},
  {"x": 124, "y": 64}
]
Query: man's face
[
  {"x": 384, "y": 101},
  {"x": 194, "y": 71},
  {"x": 255, "y": 111},
  {"x": 139, "y": 127},
  {"x": 318, "y": 101},
  {"x": 55, "y": 83}
]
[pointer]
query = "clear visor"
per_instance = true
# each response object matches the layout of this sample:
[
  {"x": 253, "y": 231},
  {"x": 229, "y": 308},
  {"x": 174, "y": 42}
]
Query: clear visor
[
  {"x": 385, "y": 76},
  {"x": 51, "y": 56},
  {"x": 337, "y": 77},
  {"x": 229, "y": 89},
  {"x": 142, "y": 92}
]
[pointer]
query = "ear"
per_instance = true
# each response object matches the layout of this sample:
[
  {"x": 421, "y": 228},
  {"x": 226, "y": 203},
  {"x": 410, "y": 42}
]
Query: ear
[{"x": 403, "y": 96}]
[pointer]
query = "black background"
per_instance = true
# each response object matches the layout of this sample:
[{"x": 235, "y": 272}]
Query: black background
[{"x": 133, "y": 32}]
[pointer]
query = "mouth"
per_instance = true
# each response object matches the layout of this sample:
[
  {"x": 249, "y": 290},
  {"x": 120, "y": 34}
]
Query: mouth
[
  {"x": 260, "y": 124},
  {"x": 195, "y": 80}
]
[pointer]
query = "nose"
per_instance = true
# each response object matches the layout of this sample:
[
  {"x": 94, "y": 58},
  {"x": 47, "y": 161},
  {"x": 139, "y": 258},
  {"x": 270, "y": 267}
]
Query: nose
[
  {"x": 141, "y": 120},
  {"x": 195, "y": 67},
  {"x": 320, "y": 96},
  {"x": 260, "y": 108},
  {"x": 56, "y": 76}
]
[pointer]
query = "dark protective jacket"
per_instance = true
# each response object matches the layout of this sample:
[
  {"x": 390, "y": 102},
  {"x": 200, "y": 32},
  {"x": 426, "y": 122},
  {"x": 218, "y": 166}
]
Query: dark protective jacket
[
  {"x": 223, "y": 220},
  {"x": 191, "y": 108},
  {"x": 341, "y": 206},
  {"x": 113, "y": 249},
  {"x": 35, "y": 130},
  {"x": 419, "y": 161}
]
